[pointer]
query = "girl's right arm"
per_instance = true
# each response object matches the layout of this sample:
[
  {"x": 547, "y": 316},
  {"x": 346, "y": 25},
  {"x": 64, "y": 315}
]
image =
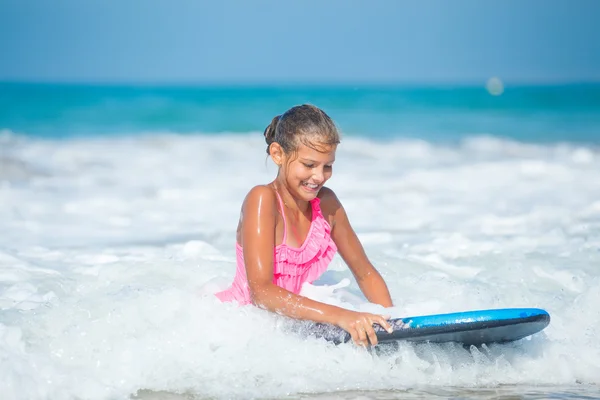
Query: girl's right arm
[{"x": 259, "y": 216}]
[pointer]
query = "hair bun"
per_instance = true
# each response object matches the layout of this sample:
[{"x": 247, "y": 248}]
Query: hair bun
[{"x": 270, "y": 131}]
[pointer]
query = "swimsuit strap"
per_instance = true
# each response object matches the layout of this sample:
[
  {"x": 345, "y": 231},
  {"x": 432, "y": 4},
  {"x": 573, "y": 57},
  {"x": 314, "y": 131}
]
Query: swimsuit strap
[{"x": 282, "y": 216}]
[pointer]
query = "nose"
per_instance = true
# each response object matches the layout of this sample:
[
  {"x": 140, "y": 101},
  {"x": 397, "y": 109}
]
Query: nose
[{"x": 318, "y": 175}]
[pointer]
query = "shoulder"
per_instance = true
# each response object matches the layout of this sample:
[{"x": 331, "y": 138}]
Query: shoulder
[
  {"x": 327, "y": 195},
  {"x": 261, "y": 196},
  {"x": 330, "y": 203},
  {"x": 264, "y": 194}
]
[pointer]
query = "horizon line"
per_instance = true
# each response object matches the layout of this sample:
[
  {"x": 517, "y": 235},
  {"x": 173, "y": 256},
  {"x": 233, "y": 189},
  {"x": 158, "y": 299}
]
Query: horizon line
[{"x": 300, "y": 82}]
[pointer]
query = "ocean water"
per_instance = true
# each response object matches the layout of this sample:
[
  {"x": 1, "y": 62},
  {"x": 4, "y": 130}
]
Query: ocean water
[
  {"x": 441, "y": 114},
  {"x": 118, "y": 217}
]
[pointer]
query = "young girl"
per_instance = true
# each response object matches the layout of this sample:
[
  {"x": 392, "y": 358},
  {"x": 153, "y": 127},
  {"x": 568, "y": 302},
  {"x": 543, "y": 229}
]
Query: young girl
[{"x": 290, "y": 229}]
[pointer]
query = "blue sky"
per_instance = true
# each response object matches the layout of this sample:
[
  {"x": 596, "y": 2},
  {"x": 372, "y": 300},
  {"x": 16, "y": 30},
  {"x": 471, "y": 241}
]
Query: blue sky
[{"x": 303, "y": 41}]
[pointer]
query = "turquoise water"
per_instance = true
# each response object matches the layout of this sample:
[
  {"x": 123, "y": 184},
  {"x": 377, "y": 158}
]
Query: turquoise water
[{"x": 534, "y": 113}]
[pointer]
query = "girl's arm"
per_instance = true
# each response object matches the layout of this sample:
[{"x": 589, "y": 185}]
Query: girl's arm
[
  {"x": 351, "y": 250},
  {"x": 259, "y": 215}
]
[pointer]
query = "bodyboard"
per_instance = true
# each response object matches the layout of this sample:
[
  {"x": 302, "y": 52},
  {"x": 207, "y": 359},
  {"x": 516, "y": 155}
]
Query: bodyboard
[{"x": 469, "y": 327}]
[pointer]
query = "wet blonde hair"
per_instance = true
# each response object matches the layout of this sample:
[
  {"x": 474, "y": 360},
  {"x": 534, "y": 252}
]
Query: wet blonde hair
[{"x": 304, "y": 124}]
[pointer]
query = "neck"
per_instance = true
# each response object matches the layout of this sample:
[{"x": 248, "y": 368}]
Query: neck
[{"x": 288, "y": 199}]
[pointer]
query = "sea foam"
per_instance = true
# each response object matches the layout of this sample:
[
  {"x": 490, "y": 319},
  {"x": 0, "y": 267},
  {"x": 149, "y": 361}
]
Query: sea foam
[{"x": 112, "y": 247}]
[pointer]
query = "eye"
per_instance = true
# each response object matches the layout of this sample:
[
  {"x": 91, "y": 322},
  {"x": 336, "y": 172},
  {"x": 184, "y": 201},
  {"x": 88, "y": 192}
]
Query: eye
[{"x": 309, "y": 165}]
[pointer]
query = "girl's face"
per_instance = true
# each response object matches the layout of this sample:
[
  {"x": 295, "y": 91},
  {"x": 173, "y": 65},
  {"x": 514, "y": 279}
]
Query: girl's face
[{"x": 305, "y": 173}]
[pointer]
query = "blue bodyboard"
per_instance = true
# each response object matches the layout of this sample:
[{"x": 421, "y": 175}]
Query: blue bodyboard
[{"x": 469, "y": 327}]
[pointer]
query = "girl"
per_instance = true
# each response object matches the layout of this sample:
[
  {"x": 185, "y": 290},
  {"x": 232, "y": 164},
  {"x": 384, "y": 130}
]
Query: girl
[{"x": 290, "y": 229}]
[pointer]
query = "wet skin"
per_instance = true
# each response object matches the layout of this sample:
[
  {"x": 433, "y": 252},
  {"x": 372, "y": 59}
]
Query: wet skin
[{"x": 301, "y": 178}]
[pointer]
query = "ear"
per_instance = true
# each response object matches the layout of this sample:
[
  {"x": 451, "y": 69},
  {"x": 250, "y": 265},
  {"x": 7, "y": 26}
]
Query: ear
[{"x": 277, "y": 153}]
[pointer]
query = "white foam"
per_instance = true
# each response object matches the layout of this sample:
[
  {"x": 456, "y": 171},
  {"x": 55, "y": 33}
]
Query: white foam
[{"x": 110, "y": 253}]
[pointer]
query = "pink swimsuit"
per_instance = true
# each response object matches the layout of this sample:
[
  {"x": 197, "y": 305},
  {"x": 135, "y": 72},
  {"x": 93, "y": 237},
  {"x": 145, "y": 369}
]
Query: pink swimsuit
[{"x": 292, "y": 266}]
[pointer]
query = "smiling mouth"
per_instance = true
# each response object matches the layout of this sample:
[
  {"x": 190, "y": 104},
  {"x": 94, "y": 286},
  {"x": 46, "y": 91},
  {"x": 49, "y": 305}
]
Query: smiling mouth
[{"x": 310, "y": 186}]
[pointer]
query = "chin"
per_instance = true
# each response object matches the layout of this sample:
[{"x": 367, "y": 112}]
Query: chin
[{"x": 308, "y": 194}]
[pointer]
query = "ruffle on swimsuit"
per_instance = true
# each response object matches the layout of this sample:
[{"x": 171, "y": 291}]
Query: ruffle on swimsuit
[{"x": 293, "y": 266}]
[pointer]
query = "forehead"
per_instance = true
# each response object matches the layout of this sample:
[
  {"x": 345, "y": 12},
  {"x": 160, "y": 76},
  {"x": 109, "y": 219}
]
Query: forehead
[{"x": 316, "y": 152}]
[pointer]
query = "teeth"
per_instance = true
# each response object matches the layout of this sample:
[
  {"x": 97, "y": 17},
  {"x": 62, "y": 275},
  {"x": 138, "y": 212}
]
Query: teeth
[{"x": 311, "y": 185}]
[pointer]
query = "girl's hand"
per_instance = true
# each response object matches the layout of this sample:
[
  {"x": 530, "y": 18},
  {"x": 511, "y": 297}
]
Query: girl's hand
[{"x": 360, "y": 326}]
